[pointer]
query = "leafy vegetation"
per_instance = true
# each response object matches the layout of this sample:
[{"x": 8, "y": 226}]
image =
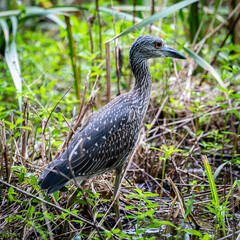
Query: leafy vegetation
[{"x": 60, "y": 63}]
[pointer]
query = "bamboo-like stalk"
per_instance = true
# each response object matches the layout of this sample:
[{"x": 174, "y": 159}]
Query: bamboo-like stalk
[
  {"x": 98, "y": 97},
  {"x": 24, "y": 131},
  {"x": 100, "y": 29},
  {"x": 108, "y": 71},
  {"x": 72, "y": 52},
  {"x": 4, "y": 151}
]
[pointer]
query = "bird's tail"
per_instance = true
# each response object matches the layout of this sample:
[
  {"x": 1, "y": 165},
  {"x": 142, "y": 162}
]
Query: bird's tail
[{"x": 53, "y": 178}]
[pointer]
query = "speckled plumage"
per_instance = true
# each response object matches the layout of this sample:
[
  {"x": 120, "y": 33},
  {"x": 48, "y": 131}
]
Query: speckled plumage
[{"x": 108, "y": 137}]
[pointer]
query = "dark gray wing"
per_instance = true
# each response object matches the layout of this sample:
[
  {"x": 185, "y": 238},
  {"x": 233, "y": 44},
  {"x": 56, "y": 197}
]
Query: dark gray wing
[
  {"x": 100, "y": 146},
  {"x": 103, "y": 142}
]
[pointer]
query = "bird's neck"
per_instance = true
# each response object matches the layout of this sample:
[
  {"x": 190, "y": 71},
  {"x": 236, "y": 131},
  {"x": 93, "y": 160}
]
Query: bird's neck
[{"x": 143, "y": 80}]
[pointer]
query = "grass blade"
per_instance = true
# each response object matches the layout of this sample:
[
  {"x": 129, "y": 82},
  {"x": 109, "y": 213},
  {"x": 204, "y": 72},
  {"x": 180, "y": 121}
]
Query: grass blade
[
  {"x": 11, "y": 55},
  {"x": 211, "y": 180},
  {"x": 73, "y": 57},
  {"x": 128, "y": 17},
  {"x": 57, "y": 20},
  {"x": 183, "y": 206},
  {"x": 10, "y": 13},
  {"x": 155, "y": 17},
  {"x": 218, "y": 170},
  {"x": 38, "y": 11},
  {"x": 205, "y": 65}
]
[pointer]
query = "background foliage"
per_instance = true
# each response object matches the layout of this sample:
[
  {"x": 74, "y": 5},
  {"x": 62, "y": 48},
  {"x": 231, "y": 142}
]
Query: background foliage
[{"x": 63, "y": 60}]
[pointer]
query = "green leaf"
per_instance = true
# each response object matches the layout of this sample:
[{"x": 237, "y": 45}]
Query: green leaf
[
  {"x": 211, "y": 181},
  {"x": 38, "y": 11},
  {"x": 206, "y": 236},
  {"x": 17, "y": 134},
  {"x": 128, "y": 17},
  {"x": 56, "y": 195},
  {"x": 150, "y": 194},
  {"x": 232, "y": 133},
  {"x": 90, "y": 201},
  {"x": 149, "y": 212},
  {"x": 9, "y": 123},
  {"x": 31, "y": 211},
  {"x": 155, "y": 18},
  {"x": 130, "y": 207},
  {"x": 224, "y": 106},
  {"x": 167, "y": 223},
  {"x": 11, "y": 55},
  {"x": 57, "y": 20},
  {"x": 140, "y": 216},
  {"x": 199, "y": 132},
  {"x": 193, "y": 232},
  {"x": 130, "y": 216},
  {"x": 235, "y": 112},
  {"x": 219, "y": 99},
  {"x": 153, "y": 205},
  {"x": 154, "y": 225},
  {"x": 139, "y": 231},
  {"x": 205, "y": 65},
  {"x": 51, "y": 84},
  {"x": 33, "y": 178},
  {"x": 20, "y": 177},
  {"x": 223, "y": 89},
  {"x": 115, "y": 231},
  {"x": 9, "y": 13},
  {"x": 19, "y": 120},
  {"x": 24, "y": 127}
]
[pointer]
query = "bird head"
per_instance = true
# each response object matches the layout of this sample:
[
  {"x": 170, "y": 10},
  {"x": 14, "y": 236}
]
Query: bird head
[{"x": 147, "y": 47}]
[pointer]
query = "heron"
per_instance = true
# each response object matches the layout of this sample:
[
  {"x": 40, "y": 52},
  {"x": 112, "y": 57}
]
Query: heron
[{"x": 106, "y": 140}]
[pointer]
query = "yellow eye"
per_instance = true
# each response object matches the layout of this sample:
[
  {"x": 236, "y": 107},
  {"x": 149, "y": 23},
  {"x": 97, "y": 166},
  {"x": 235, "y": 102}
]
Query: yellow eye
[{"x": 159, "y": 44}]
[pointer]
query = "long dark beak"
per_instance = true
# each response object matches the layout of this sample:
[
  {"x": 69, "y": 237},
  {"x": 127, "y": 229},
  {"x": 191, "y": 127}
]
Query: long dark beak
[{"x": 170, "y": 52}]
